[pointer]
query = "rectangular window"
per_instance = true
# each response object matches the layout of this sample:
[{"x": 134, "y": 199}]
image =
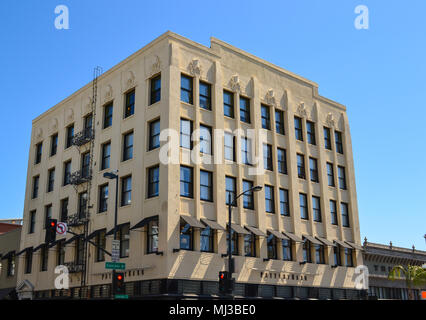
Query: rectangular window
[
  {"x": 186, "y": 182},
  {"x": 327, "y": 138},
  {"x": 330, "y": 174},
  {"x": 271, "y": 244},
  {"x": 60, "y": 253},
  {"x": 186, "y": 89},
  {"x": 284, "y": 203},
  {"x": 108, "y": 115},
  {"x": 103, "y": 198},
  {"x": 333, "y": 212},
  {"x": 319, "y": 254},
  {"x": 287, "y": 250},
  {"x": 269, "y": 199},
  {"x": 28, "y": 261},
  {"x": 39, "y": 148},
  {"x": 342, "y": 177},
  {"x": 124, "y": 237},
  {"x": 155, "y": 84},
  {"x": 31, "y": 225},
  {"x": 339, "y": 141},
  {"x": 303, "y": 201},
  {"x": 205, "y": 95},
  {"x": 88, "y": 124},
  {"x": 231, "y": 190},
  {"x": 207, "y": 240},
  {"x": 67, "y": 172},
  {"x": 152, "y": 236},
  {"x": 248, "y": 198},
  {"x": 130, "y": 104},
  {"x": 301, "y": 166},
  {"x": 154, "y": 134},
  {"x": 44, "y": 257},
  {"x": 316, "y": 208},
  {"x": 298, "y": 130},
  {"x": 348, "y": 257},
  {"x": 70, "y": 136},
  {"x": 337, "y": 257},
  {"x": 229, "y": 143},
  {"x": 128, "y": 146},
  {"x": 64, "y": 210},
  {"x": 228, "y": 104},
  {"x": 126, "y": 191},
  {"x": 51, "y": 180},
  {"x": 47, "y": 214},
  {"x": 185, "y": 133},
  {"x": 266, "y": 117},
  {"x": 245, "y": 110},
  {"x": 310, "y": 130},
  {"x": 79, "y": 251},
  {"x": 246, "y": 150},
  {"x": 205, "y": 139},
  {"x": 100, "y": 241},
  {"x": 234, "y": 242},
  {"x": 206, "y": 185},
  {"x": 82, "y": 204},
  {"x": 345, "y": 214},
  {"x": 186, "y": 236},
  {"x": 153, "y": 181},
  {"x": 313, "y": 167},
  {"x": 279, "y": 121},
  {"x": 307, "y": 257},
  {"x": 85, "y": 165},
  {"x": 53, "y": 144},
  {"x": 106, "y": 155},
  {"x": 250, "y": 245},
  {"x": 11, "y": 265},
  {"x": 282, "y": 160},
  {"x": 36, "y": 181},
  {"x": 267, "y": 157}
]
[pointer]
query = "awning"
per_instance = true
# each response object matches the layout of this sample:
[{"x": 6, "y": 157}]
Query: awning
[
  {"x": 278, "y": 235},
  {"x": 193, "y": 222},
  {"x": 355, "y": 246},
  {"x": 73, "y": 238},
  {"x": 255, "y": 231},
  {"x": 8, "y": 255},
  {"x": 342, "y": 244},
  {"x": 94, "y": 234},
  {"x": 292, "y": 236},
  {"x": 110, "y": 232},
  {"x": 54, "y": 243},
  {"x": 212, "y": 224},
  {"x": 312, "y": 239},
  {"x": 144, "y": 221},
  {"x": 326, "y": 242},
  {"x": 25, "y": 250},
  {"x": 39, "y": 247},
  {"x": 238, "y": 229}
]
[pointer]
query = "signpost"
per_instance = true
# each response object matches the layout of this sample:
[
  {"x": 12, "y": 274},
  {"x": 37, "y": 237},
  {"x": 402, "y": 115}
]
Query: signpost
[
  {"x": 115, "y": 251},
  {"x": 121, "y": 296},
  {"x": 115, "y": 265},
  {"x": 61, "y": 228}
]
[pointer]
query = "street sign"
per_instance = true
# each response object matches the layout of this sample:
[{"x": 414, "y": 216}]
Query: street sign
[
  {"x": 115, "y": 265},
  {"x": 121, "y": 296},
  {"x": 61, "y": 228},
  {"x": 115, "y": 251}
]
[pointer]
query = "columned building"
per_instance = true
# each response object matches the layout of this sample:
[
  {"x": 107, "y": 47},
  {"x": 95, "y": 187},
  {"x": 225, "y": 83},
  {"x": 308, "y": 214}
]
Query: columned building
[{"x": 252, "y": 124}]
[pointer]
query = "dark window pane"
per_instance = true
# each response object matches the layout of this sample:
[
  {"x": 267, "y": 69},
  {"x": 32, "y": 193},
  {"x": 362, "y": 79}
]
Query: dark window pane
[
  {"x": 205, "y": 96},
  {"x": 155, "y": 89},
  {"x": 186, "y": 89}
]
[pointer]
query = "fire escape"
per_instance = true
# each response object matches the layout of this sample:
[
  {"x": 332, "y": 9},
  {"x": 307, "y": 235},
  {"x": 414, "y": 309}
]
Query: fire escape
[{"x": 81, "y": 180}]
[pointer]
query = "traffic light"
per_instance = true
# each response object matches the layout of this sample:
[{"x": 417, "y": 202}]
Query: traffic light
[
  {"x": 223, "y": 280},
  {"x": 50, "y": 230},
  {"x": 118, "y": 283}
]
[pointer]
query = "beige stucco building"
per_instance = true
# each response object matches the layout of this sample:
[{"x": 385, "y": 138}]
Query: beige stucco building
[{"x": 306, "y": 212}]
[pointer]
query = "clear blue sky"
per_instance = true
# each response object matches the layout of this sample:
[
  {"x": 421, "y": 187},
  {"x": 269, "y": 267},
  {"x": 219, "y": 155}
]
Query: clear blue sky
[{"x": 379, "y": 74}]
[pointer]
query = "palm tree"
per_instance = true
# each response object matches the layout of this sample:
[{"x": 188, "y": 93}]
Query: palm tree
[{"x": 414, "y": 276}]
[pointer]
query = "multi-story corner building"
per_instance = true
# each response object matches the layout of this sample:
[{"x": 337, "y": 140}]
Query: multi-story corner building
[
  {"x": 380, "y": 259},
  {"x": 297, "y": 237}
]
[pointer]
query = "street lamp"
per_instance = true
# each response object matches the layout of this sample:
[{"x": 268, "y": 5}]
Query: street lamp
[
  {"x": 230, "y": 204},
  {"x": 111, "y": 176}
]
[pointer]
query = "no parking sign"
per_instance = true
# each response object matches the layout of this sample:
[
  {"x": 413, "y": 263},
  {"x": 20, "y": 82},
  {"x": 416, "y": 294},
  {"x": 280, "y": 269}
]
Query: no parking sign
[{"x": 61, "y": 228}]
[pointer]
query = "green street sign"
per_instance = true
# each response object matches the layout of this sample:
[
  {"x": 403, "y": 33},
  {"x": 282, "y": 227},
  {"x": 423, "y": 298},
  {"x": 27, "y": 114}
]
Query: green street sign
[
  {"x": 115, "y": 265},
  {"x": 121, "y": 296}
]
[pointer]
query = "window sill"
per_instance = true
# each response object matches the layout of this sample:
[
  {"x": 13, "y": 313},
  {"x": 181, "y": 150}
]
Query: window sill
[
  {"x": 152, "y": 198},
  {"x": 126, "y": 161},
  {"x": 125, "y": 206},
  {"x": 129, "y": 117},
  {"x": 154, "y": 104},
  {"x": 187, "y": 103}
]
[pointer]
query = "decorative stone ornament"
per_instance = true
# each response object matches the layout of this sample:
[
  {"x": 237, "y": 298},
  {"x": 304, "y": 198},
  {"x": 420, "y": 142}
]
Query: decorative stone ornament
[
  {"x": 156, "y": 66},
  {"x": 69, "y": 115},
  {"x": 88, "y": 105},
  {"x": 130, "y": 81},
  {"x": 39, "y": 134},
  {"x": 235, "y": 84},
  {"x": 269, "y": 97},
  {"x": 301, "y": 109},
  {"x": 195, "y": 67},
  {"x": 108, "y": 93},
  {"x": 330, "y": 120},
  {"x": 53, "y": 126}
]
